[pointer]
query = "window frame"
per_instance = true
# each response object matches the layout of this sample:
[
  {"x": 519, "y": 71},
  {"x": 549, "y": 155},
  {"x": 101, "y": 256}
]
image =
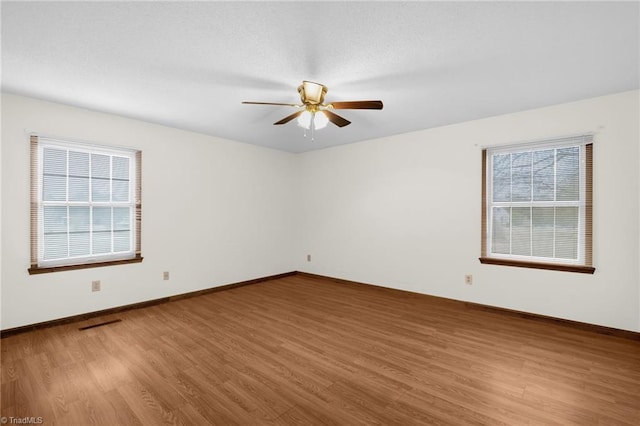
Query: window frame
[
  {"x": 585, "y": 233},
  {"x": 40, "y": 265}
]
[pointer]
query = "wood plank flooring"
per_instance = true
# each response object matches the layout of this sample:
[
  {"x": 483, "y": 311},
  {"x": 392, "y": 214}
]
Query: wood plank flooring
[{"x": 303, "y": 350}]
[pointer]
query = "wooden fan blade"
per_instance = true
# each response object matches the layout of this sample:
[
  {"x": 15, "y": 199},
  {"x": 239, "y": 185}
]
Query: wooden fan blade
[
  {"x": 288, "y": 118},
  {"x": 356, "y": 105},
  {"x": 271, "y": 103},
  {"x": 336, "y": 119}
]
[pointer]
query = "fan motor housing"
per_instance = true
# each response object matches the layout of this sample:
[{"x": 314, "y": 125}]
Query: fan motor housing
[{"x": 312, "y": 93}]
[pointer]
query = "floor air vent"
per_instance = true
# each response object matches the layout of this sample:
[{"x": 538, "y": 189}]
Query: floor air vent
[{"x": 86, "y": 327}]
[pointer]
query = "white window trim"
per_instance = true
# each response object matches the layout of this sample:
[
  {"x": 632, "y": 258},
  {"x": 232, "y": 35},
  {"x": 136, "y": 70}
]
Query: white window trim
[
  {"x": 72, "y": 262},
  {"x": 580, "y": 141}
]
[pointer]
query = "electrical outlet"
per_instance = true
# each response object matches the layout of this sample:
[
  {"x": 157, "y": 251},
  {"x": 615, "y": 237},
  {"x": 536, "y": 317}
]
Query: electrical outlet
[
  {"x": 165, "y": 275},
  {"x": 308, "y": 258},
  {"x": 95, "y": 285},
  {"x": 468, "y": 279}
]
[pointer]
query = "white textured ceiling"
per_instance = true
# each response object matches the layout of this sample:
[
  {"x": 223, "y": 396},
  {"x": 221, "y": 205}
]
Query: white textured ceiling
[{"x": 190, "y": 64}]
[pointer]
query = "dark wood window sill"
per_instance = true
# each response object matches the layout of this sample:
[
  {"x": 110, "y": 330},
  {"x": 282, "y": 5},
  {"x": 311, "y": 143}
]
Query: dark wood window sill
[
  {"x": 538, "y": 265},
  {"x": 36, "y": 270}
]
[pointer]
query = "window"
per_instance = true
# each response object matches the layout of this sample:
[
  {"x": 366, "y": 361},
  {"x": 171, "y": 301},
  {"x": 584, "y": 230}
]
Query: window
[
  {"x": 537, "y": 203},
  {"x": 85, "y": 205}
]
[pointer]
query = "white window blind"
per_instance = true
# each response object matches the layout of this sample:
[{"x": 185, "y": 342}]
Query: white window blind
[
  {"x": 537, "y": 202},
  {"x": 85, "y": 204}
]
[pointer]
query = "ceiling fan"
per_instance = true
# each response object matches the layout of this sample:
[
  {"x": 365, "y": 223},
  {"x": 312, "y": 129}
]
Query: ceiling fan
[{"x": 313, "y": 113}]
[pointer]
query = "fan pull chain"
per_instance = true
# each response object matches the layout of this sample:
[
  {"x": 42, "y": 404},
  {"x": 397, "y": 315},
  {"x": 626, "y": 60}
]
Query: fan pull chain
[{"x": 313, "y": 126}]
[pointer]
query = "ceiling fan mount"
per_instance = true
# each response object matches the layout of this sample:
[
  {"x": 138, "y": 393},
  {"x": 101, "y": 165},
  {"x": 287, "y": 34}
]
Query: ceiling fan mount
[
  {"x": 312, "y": 93},
  {"x": 312, "y": 98}
]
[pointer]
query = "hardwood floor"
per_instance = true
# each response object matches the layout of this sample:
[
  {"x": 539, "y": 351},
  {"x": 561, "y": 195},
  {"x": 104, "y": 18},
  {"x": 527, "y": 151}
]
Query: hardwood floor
[{"x": 302, "y": 350}]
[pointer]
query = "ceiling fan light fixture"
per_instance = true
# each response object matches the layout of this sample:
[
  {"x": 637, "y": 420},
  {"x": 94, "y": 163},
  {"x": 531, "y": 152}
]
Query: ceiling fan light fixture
[
  {"x": 320, "y": 120},
  {"x": 316, "y": 119},
  {"x": 312, "y": 93},
  {"x": 313, "y": 113},
  {"x": 304, "y": 120}
]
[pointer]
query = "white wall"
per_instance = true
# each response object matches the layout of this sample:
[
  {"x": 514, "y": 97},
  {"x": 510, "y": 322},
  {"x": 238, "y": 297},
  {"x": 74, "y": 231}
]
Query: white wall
[
  {"x": 404, "y": 212},
  {"x": 238, "y": 193}
]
